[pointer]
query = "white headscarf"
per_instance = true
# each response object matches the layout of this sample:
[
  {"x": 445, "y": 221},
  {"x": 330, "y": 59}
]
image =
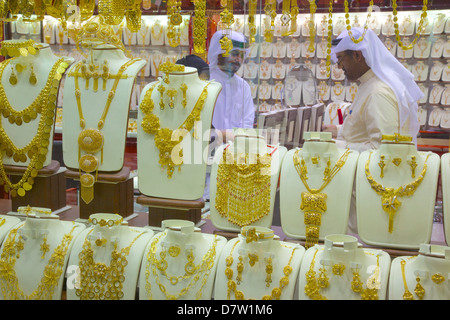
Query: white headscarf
[
  {"x": 389, "y": 70},
  {"x": 215, "y": 49}
]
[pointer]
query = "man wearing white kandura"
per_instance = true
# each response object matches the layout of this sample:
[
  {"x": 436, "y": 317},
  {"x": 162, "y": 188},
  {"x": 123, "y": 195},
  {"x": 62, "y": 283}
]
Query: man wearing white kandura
[{"x": 386, "y": 101}]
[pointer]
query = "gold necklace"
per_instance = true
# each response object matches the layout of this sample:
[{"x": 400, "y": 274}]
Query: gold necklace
[
  {"x": 243, "y": 187},
  {"x": 202, "y": 270},
  {"x": 91, "y": 140},
  {"x": 347, "y": 21},
  {"x": 163, "y": 136},
  {"x": 419, "y": 28},
  {"x": 390, "y": 196},
  {"x": 314, "y": 285},
  {"x": 239, "y": 295},
  {"x": 51, "y": 274},
  {"x": 94, "y": 276},
  {"x": 36, "y": 149},
  {"x": 314, "y": 202}
]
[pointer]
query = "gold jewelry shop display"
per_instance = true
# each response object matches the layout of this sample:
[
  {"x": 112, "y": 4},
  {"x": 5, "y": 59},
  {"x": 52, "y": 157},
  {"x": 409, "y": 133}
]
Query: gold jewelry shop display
[
  {"x": 98, "y": 281},
  {"x": 35, "y": 151},
  {"x": 243, "y": 187},
  {"x": 314, "y": 201},
  {"x": 91, "y": 140},
  {"x": 158, "y": 269},
  {"x": 163, "y": 136},
  {"x": 9, "y": 281},
  {"x": 199, "y": 27},
  {"x": 390, "y": 196}
]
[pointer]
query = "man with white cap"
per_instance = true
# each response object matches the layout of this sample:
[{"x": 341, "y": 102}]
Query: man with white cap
[
  {"x": 386, "y": 100},
  {"x": 234, "y": 107}
]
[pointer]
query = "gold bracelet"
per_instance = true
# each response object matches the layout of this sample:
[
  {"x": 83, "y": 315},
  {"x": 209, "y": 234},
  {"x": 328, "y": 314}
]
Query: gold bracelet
[
  {"x": 113, "y": 220},
  {"x": 396, "y": 137}
]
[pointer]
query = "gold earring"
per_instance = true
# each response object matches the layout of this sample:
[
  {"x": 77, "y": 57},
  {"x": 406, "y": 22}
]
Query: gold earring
[
  {"x": 381, "y": 164},
  {"x": 161, "y": 90},
  {"x": 100, "y": 242},
  {"x": 45, "y": 247},
  {"x": 419, "y": 290},
  {"x": 357, "y": 284},
  {"x": 19, "y": 246},
  {"x": 338, "y": 269},
  {"x": 252, "y": 259},
  {"x": 269, "y": 270},
  {"x": 413, "y": 165},
  {"x": 171, "y": 93},
  {"x": 105, "y": 74},
  {"x": 437, "y": 278},
  {"x": 315, "y": 160},
  {"x": 323, "y": 280},
  {"x": 326, "y": 172},
  {"x": 33, "y": 78},
  {"x": 174, "y": 251},
  {"x": 240, "y": 268},
  {"x": 184, "y": 90},
  {"x": 397, "y": 161},
  {"x": 13, "y": 77},
  {"x": 190, "y": 266}
]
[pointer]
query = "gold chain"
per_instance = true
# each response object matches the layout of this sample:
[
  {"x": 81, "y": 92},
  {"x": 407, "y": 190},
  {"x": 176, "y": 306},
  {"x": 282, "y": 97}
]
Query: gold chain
[
  {"x": 347, "y": 22},
  {"x": 419, "y": 28},
  {"x": 51, "y": 274},
  {"x": 243, "y": 187},
  {"x": 199, "y": 27},
  {"x": 390, "y": 196},
  {"x": 163, "y": 136},
  {"x": 314, "y": 202}
]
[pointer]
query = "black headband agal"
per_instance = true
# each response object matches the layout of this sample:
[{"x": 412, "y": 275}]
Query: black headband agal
[{"x": 335, "y": 42}]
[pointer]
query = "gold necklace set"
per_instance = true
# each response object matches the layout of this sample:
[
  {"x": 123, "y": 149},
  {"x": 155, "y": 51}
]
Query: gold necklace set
[
  {"x": 52, "y": 272},
  {"x": 163, "y": 136},
  {"x": 314, "y": 201},
  {"x": 243, "y": 187},
  {"x": 193, "y": 273},
  {"x": 99, "y": 281},
  {"x": 91, "y": 140},
  {"x": 390, "y": 196},
  {"x": 315, "y": 284},
  {"x": 232, "y": 285},
  {"x": 36, "y": 150}
]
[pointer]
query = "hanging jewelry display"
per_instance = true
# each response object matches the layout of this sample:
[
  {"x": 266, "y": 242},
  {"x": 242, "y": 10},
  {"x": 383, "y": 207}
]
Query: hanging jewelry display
[
  {"x": 9, "y": 282},
  {"x": 226, "y": 19},
  {"x": 199, "y": 27},
  {"x": 243, "y": 187},
  {"x": 270, "y": 8},
  {"x": 312, "y": 27},
  {"x": 366, "y": 25},
  {"x": 314, "y": 201},
  {"x": 390, "y": 196},
  {"x": 174, "y": 20},
  {"x": 91, "y": 140},
  {"x": 193, "y": 272},
  {"x": 163, "y": 136},
  {"x": 99, "y": 281},
  {"x": 36, "y": 150},
  {"x": 423, "y": 17}
]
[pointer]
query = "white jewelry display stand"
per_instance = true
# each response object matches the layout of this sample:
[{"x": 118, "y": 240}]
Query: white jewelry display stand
[
  {"x": 182, "y": 241},
  {"x": 40, "y": 227},
  {"x": 103, "y": 239},
  {"x": 253, "y": 251},
  {"x": 188, "y": 183},
  {"x": 251, "y": 145},
  {"x": 430, "y": 268},
  {"x": 338, "y": 191},
  {"x": 413, "y": 221},
  {"x": 6, "y": 224},
  {"x": 344, "y": 253},
  {"x": 445, "y": 178}
]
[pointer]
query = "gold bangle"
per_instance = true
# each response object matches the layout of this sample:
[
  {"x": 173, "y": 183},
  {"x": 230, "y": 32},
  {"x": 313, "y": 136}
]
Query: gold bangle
[
  {"x": 396, "y": 137},
  {"x": 251, "y": 234},
  {"x": 111, "y": 221}
]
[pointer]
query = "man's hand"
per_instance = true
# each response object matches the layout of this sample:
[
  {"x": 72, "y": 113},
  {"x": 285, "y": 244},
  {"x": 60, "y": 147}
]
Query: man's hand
[{"x": 330, "y": 128}]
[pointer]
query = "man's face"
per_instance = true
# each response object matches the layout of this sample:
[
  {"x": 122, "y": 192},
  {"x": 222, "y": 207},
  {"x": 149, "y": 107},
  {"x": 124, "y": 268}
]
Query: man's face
[
  {"x": 346, "y": 62},
  {"x": 231, "y": 64}
]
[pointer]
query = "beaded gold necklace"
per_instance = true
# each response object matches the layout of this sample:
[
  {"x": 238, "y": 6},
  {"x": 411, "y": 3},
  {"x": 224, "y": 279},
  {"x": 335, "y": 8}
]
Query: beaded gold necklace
[
  {"x": 390, "y": 196},
  {"x": 193, "y": 272},
  {"x": 243, "y": 187},
  {"x": 238, "y": 294},
  {"x": 36, "y": 150},
  {"x": 163, "y": 136},
  {"x": 52, "y": 272},
  {"x": 91, "y": 140},
  {"x": 94, "y": 276},
  {"x": 314, "y": 201}
]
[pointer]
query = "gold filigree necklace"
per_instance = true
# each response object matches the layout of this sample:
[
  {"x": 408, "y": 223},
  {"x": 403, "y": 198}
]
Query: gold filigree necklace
[
  {"x": 163, "y": 136},
  {"x": 314, "y": 201},
  {"x": 390, "y": 196},
  {"x": 37, "y": 148},
  {"x": 91, "y": 140},
  {"x": 243, "y": 187}
]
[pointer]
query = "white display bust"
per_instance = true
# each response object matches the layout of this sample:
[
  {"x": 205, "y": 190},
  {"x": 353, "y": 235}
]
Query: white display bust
[
  {"x": 250, "y": 144},
  {"x": 321, "y": 148},
  {"x": 6, "y": 223},
  {"x": 183, "y": 247},
  {"x": 413, "y": 220},
  {"x": 93, "y": 106},
  {"x": 430, "y": 268},
  {"x": 40, "y": 230},
  {"x": 107, "y": 233},
  {"x": 340, "y": 257},
  {"x": 42, "y": 64},
  {"x": 445, "y": 178},
  {"x": 188, "y": 183},
  {"x": 255, "y": 248}
]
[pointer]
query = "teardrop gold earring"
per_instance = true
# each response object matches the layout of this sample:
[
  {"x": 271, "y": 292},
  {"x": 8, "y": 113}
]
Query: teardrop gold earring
[
  {"x": 381, "y": 164},
  {"x": 33, "y": 78},
  {"x": 13, "y": 77}
]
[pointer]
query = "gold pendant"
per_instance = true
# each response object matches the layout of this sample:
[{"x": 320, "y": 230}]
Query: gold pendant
[
  {"x": 87, "y": 181},
  {"x": 90, "y": 140}
]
